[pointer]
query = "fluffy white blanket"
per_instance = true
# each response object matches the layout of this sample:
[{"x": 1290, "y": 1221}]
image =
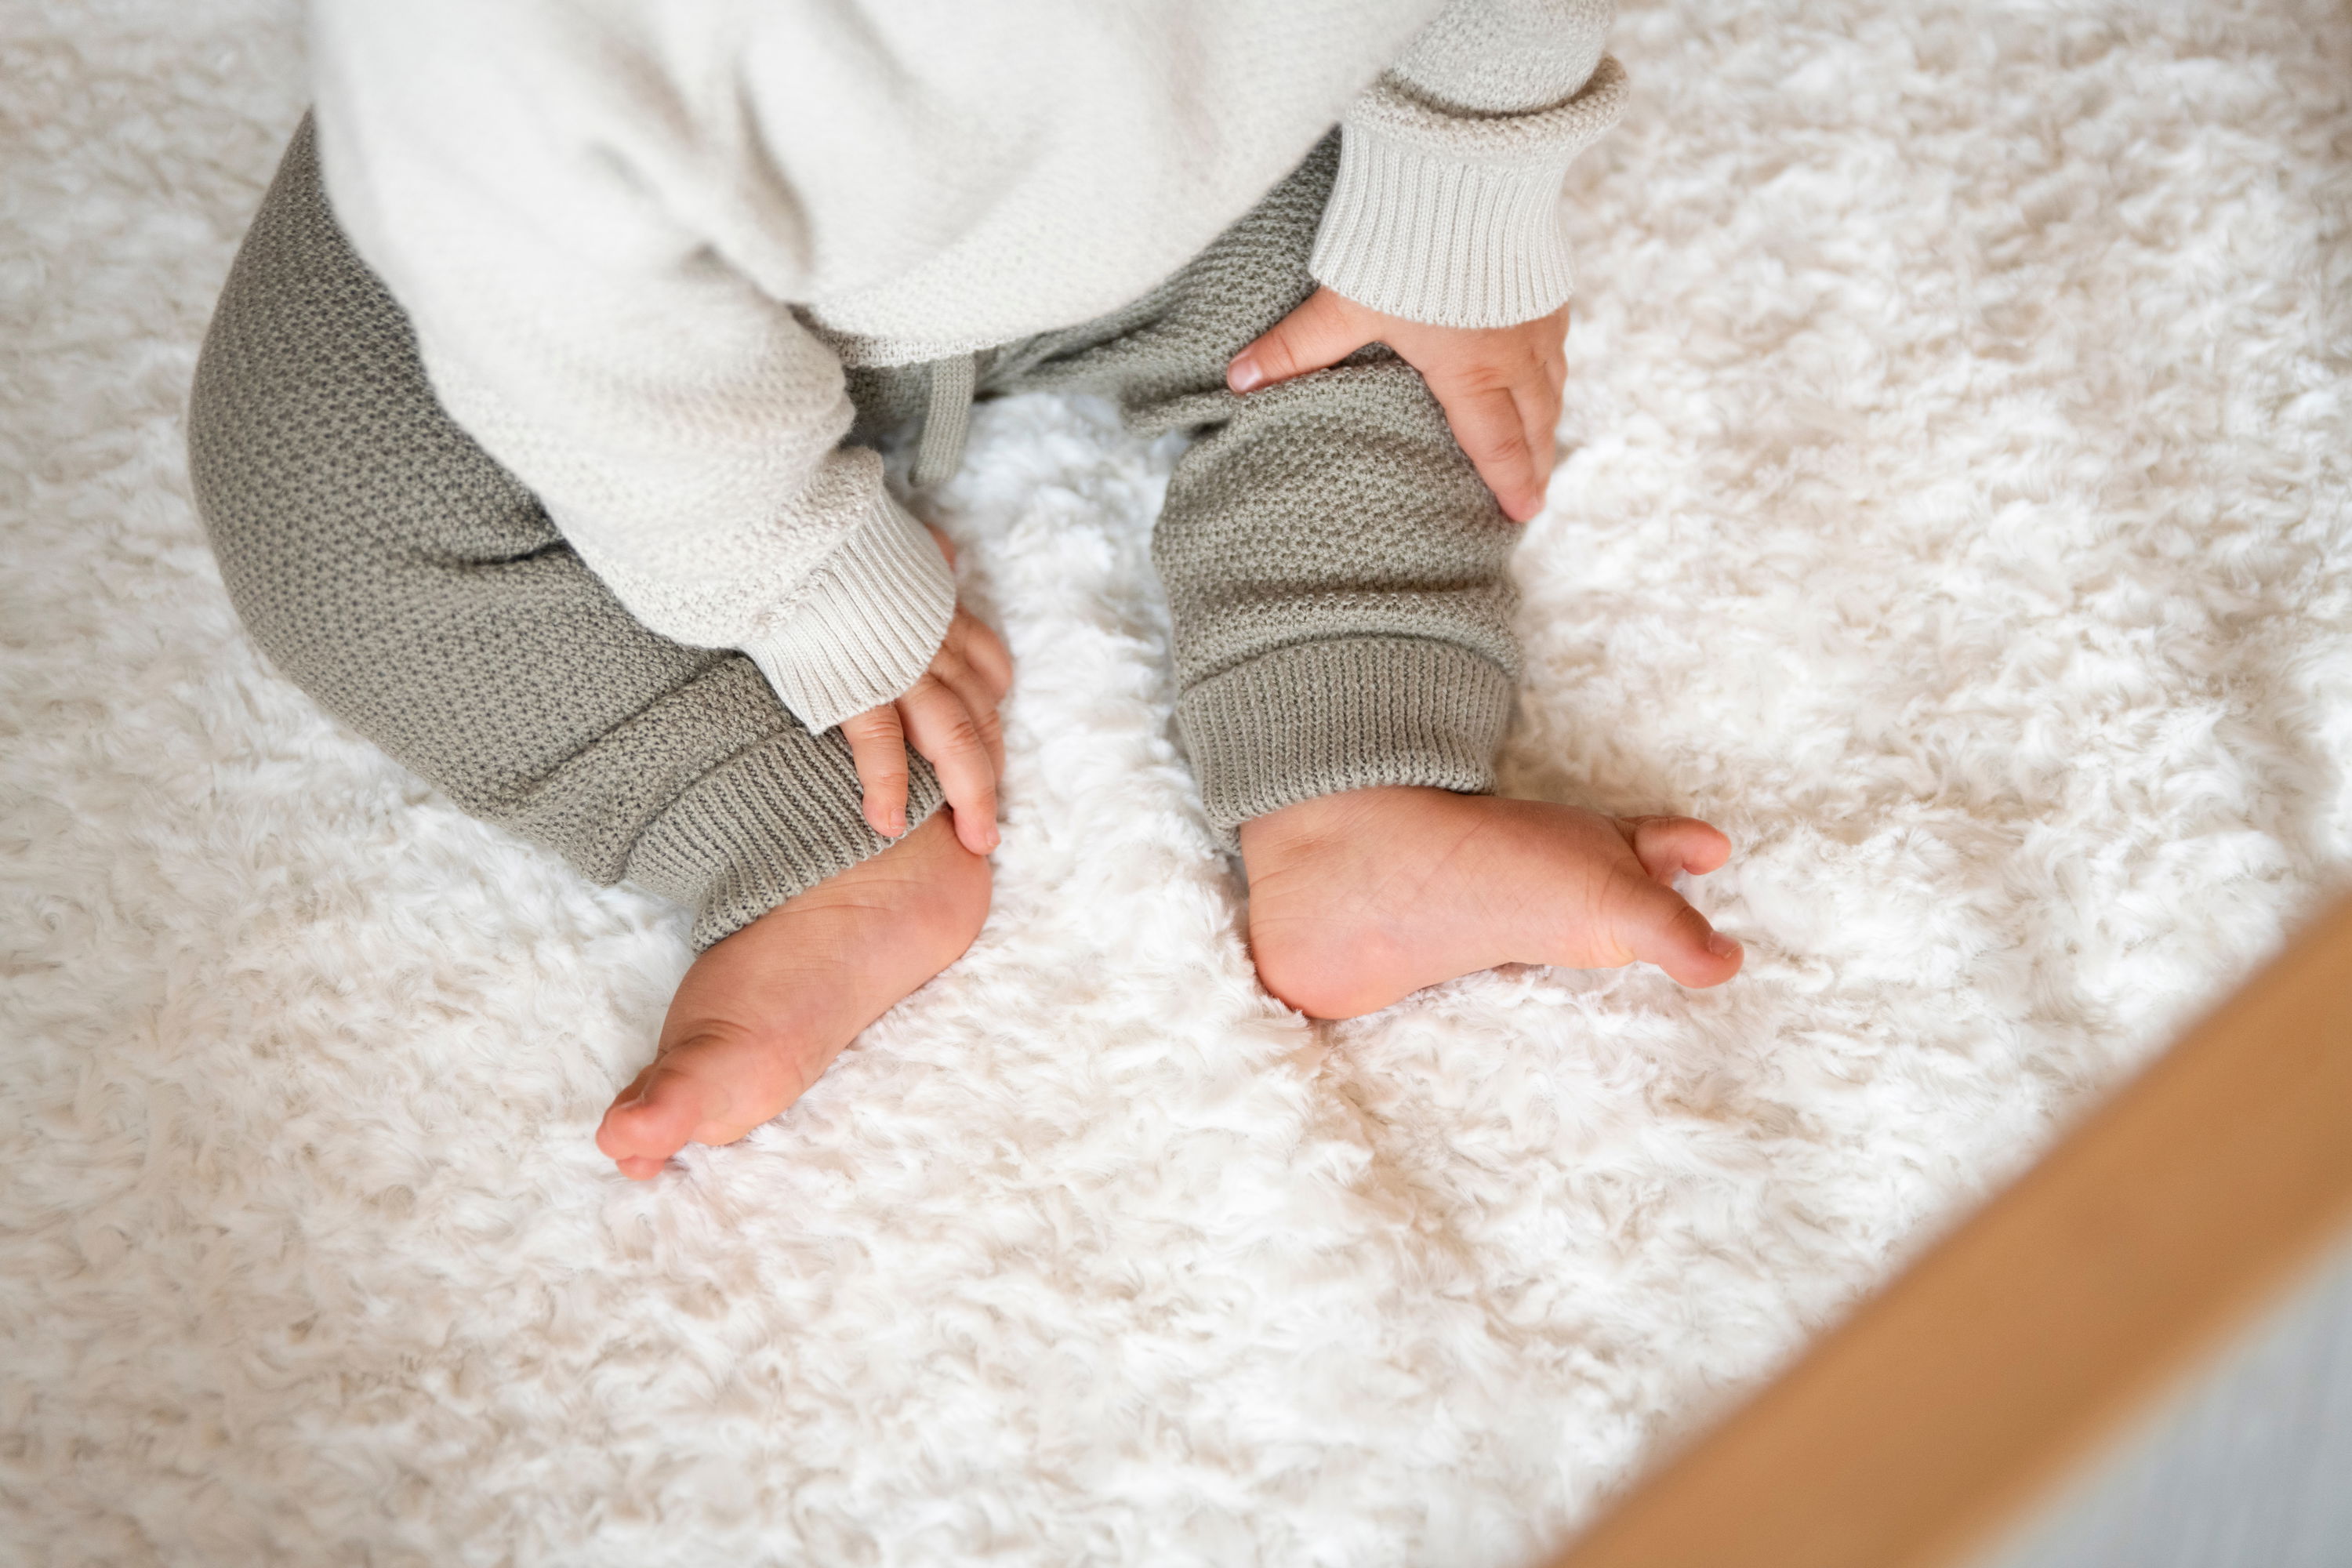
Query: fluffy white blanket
[{"x": 1957, "y": 514}]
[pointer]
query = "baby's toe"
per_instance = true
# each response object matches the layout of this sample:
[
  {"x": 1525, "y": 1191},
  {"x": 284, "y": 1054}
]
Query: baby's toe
[
  {"x": 1669, "y": 845},
  {"x": 1659, "y": 926},
  {"x": 651, "y": 1119}
]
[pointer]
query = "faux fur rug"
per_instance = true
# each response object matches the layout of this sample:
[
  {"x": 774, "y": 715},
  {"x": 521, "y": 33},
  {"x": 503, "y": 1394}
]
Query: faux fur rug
[{"x": 1957, "y": 514}]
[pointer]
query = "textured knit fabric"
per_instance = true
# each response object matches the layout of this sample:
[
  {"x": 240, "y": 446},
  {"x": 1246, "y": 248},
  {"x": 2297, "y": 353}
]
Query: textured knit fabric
[
  {"x": 1336, "y": 570},
  {"x": 639, "y": 238},
  {"x": 1447, "y": 205},
  {"x": 419, "y": 593}
]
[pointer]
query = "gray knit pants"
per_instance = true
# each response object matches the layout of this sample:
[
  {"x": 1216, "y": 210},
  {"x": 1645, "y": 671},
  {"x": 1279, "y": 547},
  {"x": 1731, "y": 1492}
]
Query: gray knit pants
[{"x": 1335, "y": 568}]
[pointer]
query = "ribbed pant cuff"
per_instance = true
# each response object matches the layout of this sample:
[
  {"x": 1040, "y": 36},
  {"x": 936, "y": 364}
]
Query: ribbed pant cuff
[
  {"x": 1350, "y": 713},
  {"x": 773, "y": 820}
]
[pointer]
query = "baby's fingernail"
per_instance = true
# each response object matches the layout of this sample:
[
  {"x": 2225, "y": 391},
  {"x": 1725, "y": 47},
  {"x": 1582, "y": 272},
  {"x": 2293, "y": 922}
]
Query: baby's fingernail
[
  {"x": 1244, "y": 375},
  {"x": 1721, "y": 945}
]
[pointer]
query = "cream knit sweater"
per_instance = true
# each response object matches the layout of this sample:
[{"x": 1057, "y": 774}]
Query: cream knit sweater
[{"x": 638, "y": 238}]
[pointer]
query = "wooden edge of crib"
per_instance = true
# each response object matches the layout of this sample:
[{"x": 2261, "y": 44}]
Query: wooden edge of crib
[{"x": 1993, "y": 1365}]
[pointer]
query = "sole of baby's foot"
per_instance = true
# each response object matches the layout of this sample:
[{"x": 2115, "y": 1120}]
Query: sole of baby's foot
[
  {"x": 761, "y": 1013},
  {"x": 1359, "y": 899}
]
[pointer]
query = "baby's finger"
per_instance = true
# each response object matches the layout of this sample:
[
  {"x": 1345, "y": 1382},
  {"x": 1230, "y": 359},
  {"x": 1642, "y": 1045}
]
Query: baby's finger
[
  {"x": 954, "y": 670},
  {"x": 1486, "y": 423},
  {"x": 1538, "y": 406},
  {"x": 877, "y": 748},
  {"x": 942, "y": 728},
  {"x": 981, "y": 703},
  {"x": 1321, "y": 333},
  {"x": 985, "y": 652},
  {"x": 1551, "y": 353}
]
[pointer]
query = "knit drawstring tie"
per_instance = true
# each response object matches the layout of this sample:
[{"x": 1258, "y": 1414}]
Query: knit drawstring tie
[{"x": 947, "y": 421}]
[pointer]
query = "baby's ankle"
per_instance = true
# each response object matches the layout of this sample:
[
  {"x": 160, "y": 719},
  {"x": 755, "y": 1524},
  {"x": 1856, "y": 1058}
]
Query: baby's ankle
[{"x": 1325, "y": 822}]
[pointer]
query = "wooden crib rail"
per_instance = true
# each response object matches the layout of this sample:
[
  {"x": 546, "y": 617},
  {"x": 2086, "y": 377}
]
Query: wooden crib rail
[{"x": 1996, "y": 1362}]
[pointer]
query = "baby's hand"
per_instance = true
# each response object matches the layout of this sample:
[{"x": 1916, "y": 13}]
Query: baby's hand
[
  {"x": 949, "y": 716},
  {"x": 1499, "y": 386}
]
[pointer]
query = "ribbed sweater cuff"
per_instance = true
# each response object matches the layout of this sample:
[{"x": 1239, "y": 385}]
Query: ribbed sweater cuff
[
  {"x": 1351, "y": 713},
  {"x": 1453, "y": 220},
  {"x": 866, "y": 627}
]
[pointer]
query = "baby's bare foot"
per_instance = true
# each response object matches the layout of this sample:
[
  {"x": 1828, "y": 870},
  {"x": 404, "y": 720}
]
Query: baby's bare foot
[
  {"x": 760, "y": 1014},
  {"x": 1360, "y": 899}
]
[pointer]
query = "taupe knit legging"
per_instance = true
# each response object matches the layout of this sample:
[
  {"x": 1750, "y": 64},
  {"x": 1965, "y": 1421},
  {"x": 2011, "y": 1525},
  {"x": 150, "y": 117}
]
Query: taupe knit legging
[{"x": 1335, "y": 568}]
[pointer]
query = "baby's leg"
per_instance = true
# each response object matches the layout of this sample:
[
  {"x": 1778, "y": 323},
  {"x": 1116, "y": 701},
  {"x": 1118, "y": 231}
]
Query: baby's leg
[
  {"x": 394, "y": 572},
  {"x": 1338, "y": 578}
]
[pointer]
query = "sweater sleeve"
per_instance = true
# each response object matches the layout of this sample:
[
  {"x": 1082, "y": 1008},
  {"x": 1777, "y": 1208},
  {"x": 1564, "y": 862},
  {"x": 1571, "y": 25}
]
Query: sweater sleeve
[
  {"x": 578, "y": 315},
  {"x": 1446, "y": 209}
]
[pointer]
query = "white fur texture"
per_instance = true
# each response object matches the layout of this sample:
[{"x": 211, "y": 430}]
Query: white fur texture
[{"x": 1957, "y": 514}]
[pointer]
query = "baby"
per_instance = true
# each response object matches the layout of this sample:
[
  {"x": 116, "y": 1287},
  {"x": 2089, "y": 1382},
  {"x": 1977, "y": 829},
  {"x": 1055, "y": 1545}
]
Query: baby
[{"x": 536, "y": 434}]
